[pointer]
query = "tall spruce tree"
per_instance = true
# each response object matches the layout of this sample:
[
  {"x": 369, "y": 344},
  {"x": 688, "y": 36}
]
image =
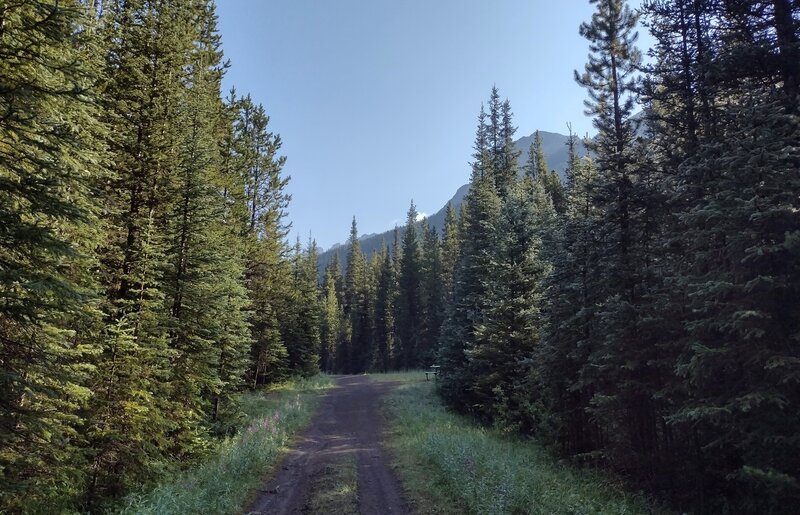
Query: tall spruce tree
[
  {"x": 409, "y": 301},
  {"x": 451, "y": 248},
  {"x": 267, "y": 271},
  {"x": 537, "y": 169},
  {"x": 621, "y": 366},
  {"x": 384, "y": 312},
  {"x": 51, "y": 170},
  {"x": 739, "y": 359},
  {"x": 301, "y": 327},
  {"x": 331, "y": 319},
  {"x": 431, "y": 294},
  {"x": 148, "y": 48},
  {"x": 466, "y": 312},
  {"x": 571, "y": 327},
  {"x": 200, "y": 283},
  {"x": 509, "y": 332},
  {"x": 354, "y": 351}
]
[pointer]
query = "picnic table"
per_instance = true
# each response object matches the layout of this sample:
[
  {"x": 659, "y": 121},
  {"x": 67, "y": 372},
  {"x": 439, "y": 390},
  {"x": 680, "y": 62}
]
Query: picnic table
[{"x": 432, "y": 370}]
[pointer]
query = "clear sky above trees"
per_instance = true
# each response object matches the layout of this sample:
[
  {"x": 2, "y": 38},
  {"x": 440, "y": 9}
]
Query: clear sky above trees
[{"x": 376, "y": 101}]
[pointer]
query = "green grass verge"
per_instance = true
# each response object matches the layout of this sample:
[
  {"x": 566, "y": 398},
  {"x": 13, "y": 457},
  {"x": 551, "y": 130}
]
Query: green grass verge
[
  {"x": 409, "y": 376},
  {"x": 449, "y": 465},
  {"x": 223, "y": 483}
]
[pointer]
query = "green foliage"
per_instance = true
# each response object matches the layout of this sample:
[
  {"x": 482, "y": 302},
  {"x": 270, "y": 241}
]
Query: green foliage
[
  {"x": 302, "y": 320},
  {"x": 51, "y": 169},
  {"x": 331, "y": 319},
  {"x": 409, "y": 298},
  {"x": 355, "y": 349},
  {"x": 432, "y": 295},
  {"x": 384, "y": 314},
  {"x": 125, "y": 339},
  {"x": 474, "y": 470},
  {"x": 223, "y": 483},
  {"x": 509, "y": 333},
  {"x": 641, "y": 316},
  {"x": 451, "y": 249},
  {"x": 254, "y": 161}
]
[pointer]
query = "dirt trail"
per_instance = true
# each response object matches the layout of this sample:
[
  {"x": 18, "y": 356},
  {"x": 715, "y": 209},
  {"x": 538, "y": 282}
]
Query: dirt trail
[{"x": 348, "y": 423}]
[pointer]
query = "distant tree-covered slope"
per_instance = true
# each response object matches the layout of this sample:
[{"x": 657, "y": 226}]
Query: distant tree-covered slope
[{"x": 554, "y": 146}]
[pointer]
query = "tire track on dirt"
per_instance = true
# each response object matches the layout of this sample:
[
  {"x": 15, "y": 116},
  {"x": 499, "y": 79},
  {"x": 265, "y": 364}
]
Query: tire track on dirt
[{"x": 348, "y": 422}]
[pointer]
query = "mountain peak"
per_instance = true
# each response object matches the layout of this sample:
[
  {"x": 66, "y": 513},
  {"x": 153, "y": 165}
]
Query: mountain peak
[{"x": 555, "y": 150}]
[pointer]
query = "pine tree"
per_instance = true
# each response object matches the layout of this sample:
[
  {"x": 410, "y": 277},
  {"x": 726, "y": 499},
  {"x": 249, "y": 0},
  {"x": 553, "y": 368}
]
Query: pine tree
[
  {"x": 301, "y": 328},
  {"x": 234, "y": 339},
  {"x": 267, "y": 272},
  {"x": 536, "y": 168},
  {"x": 739, "y": 199},
  {"x": 620, "y": 367},
  {"x": 505, "y": 160},
  {"x": 409, "y": 302},
  {"x": 451, "y": 249},
  {"x": 464, "y": 314},
  {"x": 431, "y": 294},
  {"x": 354, "y": 351},
  {"x": 51, "y": 170},
  {"x": 384, "y": 312},
  {"x": 331, "y": 320},
  {"x": 571, "y": 326},
  {"x": 195, "y": 250},
  {"x": 508, "y": 335},
  {"x": 148, "y": 50}
]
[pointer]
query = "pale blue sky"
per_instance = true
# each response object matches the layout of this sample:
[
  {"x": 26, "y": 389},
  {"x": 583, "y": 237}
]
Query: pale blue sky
[{"x": 376, "y": 100}]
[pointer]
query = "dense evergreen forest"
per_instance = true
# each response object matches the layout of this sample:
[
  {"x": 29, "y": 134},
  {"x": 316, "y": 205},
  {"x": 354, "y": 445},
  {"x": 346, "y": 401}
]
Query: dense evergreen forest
[
  {"x": 641, "y": 317},
  {"x": 145, "y": 277}
]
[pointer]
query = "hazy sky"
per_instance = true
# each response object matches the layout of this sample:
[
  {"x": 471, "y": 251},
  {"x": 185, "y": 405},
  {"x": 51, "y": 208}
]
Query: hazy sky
[{"x": 376, "y": 100}]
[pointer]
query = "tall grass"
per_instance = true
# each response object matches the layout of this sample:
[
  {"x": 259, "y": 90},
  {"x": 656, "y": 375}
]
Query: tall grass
[
  {"x": 408, "y": 376},
  {"x": 223, "y": 483},
  {"x": 466, "y": 468}
]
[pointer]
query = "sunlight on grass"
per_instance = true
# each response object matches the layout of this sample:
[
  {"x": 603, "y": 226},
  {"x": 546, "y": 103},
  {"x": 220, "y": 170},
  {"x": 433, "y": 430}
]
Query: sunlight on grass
[
  {"x": 408, "y": 376},
  {"x": 449, "y": 465},
  {"x": 223, "y": 483}
]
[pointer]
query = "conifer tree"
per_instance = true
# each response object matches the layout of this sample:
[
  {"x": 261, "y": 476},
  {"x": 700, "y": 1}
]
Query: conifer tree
[
  {"x": 195, "y": 251},
  {"x": 329, "y": 322},
  {"x": 147, "y": 57},
  {"x": 570, "y": 330},
  {"x": 465, "y": 313},
  {"x": 451, "y": 248},
  {"x": 536, "y": 168},
  {"x": 51, "y": 170},
  {"x": 740, "y": 231},
  {"x": 409, "y": 302},
  {"x": 620, "y": 367},
  {"x": 509, "y": 331},
  {"x": 431, "y": 294},
  {"x": 301, "y": 324},
  {"x": 354, "y": 351},
  {"x": 267, "y": 271},
  {"x": 505, "y": 160},
  {"x": 384, "y": 312}
]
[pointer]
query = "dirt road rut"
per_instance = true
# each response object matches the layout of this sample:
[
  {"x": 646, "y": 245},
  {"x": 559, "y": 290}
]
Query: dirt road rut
[{"x": 348, "y": 423}]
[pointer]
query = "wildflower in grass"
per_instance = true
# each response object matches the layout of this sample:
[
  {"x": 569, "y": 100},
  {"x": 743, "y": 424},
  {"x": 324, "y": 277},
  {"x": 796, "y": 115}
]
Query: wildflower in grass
[{"x": 265, "y": 423}]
